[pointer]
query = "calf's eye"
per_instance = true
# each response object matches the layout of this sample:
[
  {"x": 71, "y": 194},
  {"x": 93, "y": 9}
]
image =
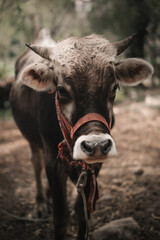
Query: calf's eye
[
  {"x": 61, "y": 91},
  {"x": 115, "y": 88}
]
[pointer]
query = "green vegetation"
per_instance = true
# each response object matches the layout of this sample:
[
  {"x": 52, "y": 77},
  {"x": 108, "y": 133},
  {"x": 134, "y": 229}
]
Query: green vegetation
[
  {"x": 6, "y": 70},
  {"x": 5, "y": 114}
]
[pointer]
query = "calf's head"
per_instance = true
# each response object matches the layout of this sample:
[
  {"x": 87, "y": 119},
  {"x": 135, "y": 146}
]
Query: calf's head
[{"x": 86, "y": 77}]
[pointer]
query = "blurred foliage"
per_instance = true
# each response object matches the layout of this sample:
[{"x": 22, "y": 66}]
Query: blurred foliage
[
  {"x": 22, "y": 19},
  {"x": 126, "y": 17},
  {"x": 6, "y": 70},
  {"x": 5, "y": 114}
]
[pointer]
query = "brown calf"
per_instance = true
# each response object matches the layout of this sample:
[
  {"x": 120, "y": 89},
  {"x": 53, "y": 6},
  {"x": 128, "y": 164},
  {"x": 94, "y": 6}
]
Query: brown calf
[{"x": 85, "y": 76}]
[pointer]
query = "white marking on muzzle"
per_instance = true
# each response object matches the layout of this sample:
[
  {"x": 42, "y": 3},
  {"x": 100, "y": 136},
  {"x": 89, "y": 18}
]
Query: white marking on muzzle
[
  {"x": 68, "y": 109},
  {"x": 78, "y": 154}
]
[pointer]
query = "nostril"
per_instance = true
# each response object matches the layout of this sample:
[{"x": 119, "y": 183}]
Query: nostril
[
  {"x": 106, "y": 146},
  {"x": 88, "y": 147}
]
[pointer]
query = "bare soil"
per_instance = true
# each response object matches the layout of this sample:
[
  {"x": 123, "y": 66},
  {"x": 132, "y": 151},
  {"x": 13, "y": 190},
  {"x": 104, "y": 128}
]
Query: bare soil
[{"x": 130, "y": 182}]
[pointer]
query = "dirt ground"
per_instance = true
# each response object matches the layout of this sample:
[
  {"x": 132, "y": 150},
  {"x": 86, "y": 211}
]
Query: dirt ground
[{"x": 130, "y": 182}]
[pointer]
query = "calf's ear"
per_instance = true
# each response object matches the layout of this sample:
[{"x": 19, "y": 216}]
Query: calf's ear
[
  {"x": 133, "y": 71},
  {"x": 39, "y": 77}
]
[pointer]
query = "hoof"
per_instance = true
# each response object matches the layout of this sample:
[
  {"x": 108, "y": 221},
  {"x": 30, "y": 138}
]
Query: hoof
[
  {"x": 40, "y": 211},
  {"x": 49, "y": 206}
]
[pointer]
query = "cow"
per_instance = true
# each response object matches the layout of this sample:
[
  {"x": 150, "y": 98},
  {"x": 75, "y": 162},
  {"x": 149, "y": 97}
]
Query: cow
[{"x": 64, "y": 93}]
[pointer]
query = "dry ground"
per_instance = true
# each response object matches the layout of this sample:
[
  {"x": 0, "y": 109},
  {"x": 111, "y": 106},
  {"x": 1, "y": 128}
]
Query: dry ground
[{"x": 130, "y": 182}]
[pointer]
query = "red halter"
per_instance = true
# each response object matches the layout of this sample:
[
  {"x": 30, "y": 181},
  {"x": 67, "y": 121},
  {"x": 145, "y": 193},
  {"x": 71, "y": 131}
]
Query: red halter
[{"x": 68, "y": 130}]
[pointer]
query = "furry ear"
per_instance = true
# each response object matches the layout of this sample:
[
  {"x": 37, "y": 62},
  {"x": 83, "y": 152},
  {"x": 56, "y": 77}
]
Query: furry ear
[
  {"x": 133, "y": 71},
  {"x": 39, "y": 77}
]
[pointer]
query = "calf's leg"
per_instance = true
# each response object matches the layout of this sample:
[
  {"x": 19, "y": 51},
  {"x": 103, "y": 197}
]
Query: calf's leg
[
  {"x": 57, "y": 181},
  {"x": 36, "y": 158}
]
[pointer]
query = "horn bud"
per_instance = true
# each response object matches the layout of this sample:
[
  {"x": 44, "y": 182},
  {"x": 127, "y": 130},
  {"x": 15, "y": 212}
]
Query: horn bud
[
  {"x": 121, "y": 46},
  {"x": 44, "y": 52}
]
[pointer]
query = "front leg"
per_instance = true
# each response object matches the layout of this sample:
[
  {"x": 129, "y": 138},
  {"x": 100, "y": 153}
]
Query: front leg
[{"x": 57, "y": 181}]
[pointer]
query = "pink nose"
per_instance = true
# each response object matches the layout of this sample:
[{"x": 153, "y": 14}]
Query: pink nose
[{"x": 91, "y": 148}]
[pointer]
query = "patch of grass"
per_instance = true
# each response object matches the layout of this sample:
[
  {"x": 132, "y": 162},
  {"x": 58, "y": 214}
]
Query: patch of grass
[
  {"x": 6, "y": 70},
  {"x": 5, "y": 114},
  {"x": 120, "y": 96}
]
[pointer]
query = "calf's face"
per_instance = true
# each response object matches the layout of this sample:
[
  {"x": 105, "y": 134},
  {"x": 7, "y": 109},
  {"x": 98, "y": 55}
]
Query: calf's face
[
  {"x": 86, "y": 77},
  {"x": 91, "y": 90}
]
